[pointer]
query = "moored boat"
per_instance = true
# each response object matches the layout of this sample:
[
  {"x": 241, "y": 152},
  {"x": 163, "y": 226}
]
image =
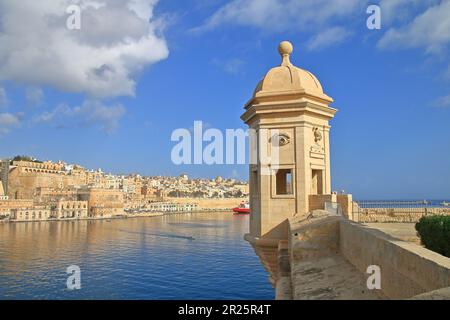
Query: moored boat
[{"x": 244, "y": 208}]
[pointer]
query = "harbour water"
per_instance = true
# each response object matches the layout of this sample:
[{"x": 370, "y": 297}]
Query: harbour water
[
  {"x": 188, "y": 256},
  {"x": 403, "y": 203}
]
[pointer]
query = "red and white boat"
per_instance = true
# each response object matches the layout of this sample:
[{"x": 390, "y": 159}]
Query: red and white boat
[{"x": 244, "y": 208}]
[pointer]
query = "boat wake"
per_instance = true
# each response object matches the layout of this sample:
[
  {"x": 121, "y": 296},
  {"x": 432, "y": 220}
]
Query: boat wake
[
  {"x": 162, "y": 235},
  {"x": 195, "y": 225}
]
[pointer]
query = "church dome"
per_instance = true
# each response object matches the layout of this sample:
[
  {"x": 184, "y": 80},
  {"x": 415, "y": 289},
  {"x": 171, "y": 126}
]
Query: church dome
[{"x": 289, "y": 79}]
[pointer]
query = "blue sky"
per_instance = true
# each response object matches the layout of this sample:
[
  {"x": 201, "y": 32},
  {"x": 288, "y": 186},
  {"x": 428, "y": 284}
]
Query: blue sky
[{"x": 110, "y": 95}]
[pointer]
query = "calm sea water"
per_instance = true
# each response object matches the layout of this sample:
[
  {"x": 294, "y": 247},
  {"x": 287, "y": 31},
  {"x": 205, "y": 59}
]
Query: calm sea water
[
  {"x": 403, "y": 203},
  {"x": 143, "y": 258}
]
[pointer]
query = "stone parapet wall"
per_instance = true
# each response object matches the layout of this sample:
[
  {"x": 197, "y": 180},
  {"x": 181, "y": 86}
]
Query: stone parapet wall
[
  {"x": 16, "y": 204},
  {"x": 407, "y": 269},
  {"x": 318, "y": 270},
  {"x": 330, "y": 256},
  {"x": 409, "y": 215},
  {"x": 202, "y": 203},
  {"x": 317, "y": 201},
  {"x": 345, "y": 201}
]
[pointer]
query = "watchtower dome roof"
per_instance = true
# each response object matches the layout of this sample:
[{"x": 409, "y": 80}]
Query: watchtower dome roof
[{"x": 288, "y": 79}]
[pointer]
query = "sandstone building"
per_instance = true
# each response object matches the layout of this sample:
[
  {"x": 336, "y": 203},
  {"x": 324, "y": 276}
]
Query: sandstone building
[
  {"x": 3, "y": 195},
  {"x": 70, "y": 209},
  {"x": 34, "y": 213},
  {"x": 43, "y": 184},
  {"x": 26, "y": 176},
  {"x": 304, "y": 233},
  {"x": 290, "y": 113},
  {"x": 102, "y": 202}
]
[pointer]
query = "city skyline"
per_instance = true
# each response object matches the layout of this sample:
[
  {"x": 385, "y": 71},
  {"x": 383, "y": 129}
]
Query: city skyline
[
  {"x": 389, "y": 85},
  {"x": 33, "y": 190},
  {"x": 98, "y": 169}
]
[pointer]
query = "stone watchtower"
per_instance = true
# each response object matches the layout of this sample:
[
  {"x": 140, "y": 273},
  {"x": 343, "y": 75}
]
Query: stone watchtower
[{"x": 290, "y": 114}]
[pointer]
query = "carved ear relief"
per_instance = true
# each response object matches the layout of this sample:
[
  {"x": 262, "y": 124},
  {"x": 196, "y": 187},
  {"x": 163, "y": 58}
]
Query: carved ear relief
[{"x": 317, "y": 135}]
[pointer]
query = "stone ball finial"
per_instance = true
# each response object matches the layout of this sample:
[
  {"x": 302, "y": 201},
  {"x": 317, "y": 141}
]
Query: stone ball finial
[{"x": 285, "y": 49}]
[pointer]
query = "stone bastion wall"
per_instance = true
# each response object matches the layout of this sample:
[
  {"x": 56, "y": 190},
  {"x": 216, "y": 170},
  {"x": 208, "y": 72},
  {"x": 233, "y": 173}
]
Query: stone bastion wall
[
  {"x": 329, "y": 257},
  {"x": 408, "y": 215},
  {"x": 407, "y": 269}
]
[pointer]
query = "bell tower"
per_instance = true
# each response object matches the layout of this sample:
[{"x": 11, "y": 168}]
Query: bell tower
[{"x": 289, "y": 115}]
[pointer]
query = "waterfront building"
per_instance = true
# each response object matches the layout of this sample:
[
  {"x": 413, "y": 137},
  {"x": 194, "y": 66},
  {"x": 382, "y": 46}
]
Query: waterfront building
[
  {"x": 171, "y": 207},
  {"x": 70, "y": 210},
  {"x": 103, "y": 203},
  {"x": 28, "y": 210},
  {"x": 32, "y": 213},
  {"x": 5, "y": 212},
  {"x": 46, "y": 184},
  {"x": 3, "y": 195}
]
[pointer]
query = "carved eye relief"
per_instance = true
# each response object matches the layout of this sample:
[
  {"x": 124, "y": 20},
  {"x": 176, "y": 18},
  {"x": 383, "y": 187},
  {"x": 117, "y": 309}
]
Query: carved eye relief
[{"x": 281, "y": 139}]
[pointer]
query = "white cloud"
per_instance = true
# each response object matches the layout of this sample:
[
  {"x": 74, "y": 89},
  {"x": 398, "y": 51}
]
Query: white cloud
[
  {"x": 7, "y": 122},
  {"x": 443, "y": 102},
  {"x": 232, "y": 66},
  {"x": 34, "y": 96},
  {"x": 429, "y": 30},
  {"x": 401, "y": 10},
  {"x": 3, "y": 98},
  {"x": 116, "y": 41},
  {"x": 328, "y": 38},
  {"x": 89, "y": 113},
  {"x": 282, "y": 15}
]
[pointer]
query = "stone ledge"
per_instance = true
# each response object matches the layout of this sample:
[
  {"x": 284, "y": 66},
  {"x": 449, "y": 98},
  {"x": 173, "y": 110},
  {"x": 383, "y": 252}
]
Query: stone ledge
[{"x": 441, "y": 294}]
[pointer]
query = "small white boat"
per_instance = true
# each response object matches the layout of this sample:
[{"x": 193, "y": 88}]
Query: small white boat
[{"x": 445, "y": 204}]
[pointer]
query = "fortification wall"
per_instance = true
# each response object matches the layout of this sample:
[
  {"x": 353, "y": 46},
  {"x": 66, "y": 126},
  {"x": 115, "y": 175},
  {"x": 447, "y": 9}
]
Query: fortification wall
[
  {"x": 227, "y": 203},
  {"x": 411, "y": 215},
  {"x": 22, "y": 185},
  {"x": 407, "y": 269}
]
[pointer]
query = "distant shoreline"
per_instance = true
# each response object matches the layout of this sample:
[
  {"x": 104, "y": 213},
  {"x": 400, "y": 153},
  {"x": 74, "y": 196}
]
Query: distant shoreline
[{"x": 124, "y": 216}]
